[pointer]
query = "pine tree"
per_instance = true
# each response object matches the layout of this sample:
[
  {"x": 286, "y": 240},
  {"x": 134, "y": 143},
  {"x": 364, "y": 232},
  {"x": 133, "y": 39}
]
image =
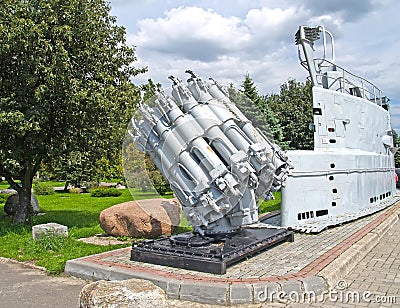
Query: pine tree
[
  {"x": 257, "y": 110},
  {"x": 293, "y": 107}
]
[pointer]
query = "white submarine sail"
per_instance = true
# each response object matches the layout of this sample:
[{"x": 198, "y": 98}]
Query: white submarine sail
[{"x": 350, "y": 173}]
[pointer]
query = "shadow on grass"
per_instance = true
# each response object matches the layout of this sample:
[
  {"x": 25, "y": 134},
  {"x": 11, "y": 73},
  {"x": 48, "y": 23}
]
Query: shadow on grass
[
  {"x": 146, "y": 195},
  {"x": 79, "y": 219}
]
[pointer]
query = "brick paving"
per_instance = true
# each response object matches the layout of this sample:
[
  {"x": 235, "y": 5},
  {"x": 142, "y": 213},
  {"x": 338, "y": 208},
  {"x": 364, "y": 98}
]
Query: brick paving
[
  {"x": 313, "y": 263},
  {"x": 283, "y": 259},
  {"x": 379, "y": 272},
  {"x": 374, "y": 282}
]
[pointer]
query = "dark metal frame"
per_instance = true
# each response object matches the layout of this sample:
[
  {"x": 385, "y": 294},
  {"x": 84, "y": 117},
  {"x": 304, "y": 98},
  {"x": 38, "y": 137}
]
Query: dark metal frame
[{"x": 208, "y": 254}]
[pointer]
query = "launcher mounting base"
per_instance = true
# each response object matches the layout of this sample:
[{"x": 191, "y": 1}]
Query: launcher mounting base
[{"x": 208, "y": 254}]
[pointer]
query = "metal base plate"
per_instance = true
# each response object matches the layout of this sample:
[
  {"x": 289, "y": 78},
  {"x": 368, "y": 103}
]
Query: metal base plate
[{"x": 205, "y": 253}]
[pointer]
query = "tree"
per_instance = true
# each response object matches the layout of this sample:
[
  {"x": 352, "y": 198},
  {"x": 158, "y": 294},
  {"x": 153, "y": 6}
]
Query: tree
[
  {"x": 149, "y": 89},
  {"x": 64, "y": 86},
  {"x": 139, "y": 167},
  {"x": 256, "y": 109},
  {"x": 293, "y": 108},
  {"x": 396, "y": 143}
]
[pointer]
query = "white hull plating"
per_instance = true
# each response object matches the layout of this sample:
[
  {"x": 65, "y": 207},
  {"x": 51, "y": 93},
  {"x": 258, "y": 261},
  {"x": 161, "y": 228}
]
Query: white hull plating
[
  {"x": 350, "y": 173},
  {"x": 328, "y": 188}
]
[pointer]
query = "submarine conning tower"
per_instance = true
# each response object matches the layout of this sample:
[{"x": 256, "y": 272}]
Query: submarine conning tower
[{"x": 350, "y": 172}]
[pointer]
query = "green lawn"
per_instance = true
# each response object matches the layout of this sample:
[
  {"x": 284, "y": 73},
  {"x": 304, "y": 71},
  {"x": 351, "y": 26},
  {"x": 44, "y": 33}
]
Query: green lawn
[
  {"x": 80, "y": 213},
  {"x": 271, "y": 205}
]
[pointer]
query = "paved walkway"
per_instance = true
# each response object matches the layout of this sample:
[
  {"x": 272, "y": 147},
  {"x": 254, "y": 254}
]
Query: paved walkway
[
  {"x": 313, "y": 263},
  {"x": 374, "y": 282},
  {"x": 379, "y": 272},
  {"x": 360, "y": 269},
  {"x": 25, "y": 287}
]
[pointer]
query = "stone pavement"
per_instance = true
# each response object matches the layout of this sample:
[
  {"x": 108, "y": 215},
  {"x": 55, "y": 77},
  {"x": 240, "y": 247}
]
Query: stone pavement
[
  {"x": 374, "y": 281},
  {"x": 22, "y": 286},
  {"x": 310, "y": 266},
  {"x": 379, "y": 272}
]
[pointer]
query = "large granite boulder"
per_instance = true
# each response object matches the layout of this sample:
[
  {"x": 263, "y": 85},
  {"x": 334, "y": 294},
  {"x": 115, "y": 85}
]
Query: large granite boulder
[
  {"x": 142, "y": 218},
  {"x": 126, "y": 293},
  {"x": 12, "y": 204}
]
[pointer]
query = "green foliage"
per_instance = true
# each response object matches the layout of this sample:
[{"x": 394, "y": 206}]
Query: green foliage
[
  {"x": 159, "y": 182},
  {"x": 105, "y": 192},
  {"x": 134, "y": 166},
  {"x": 396, "y": 143},
  {"x": 150, "y": 89},
  {"x": 4, "y": 184},
  {"x": 3, "y": 199},
  {"x": 293, "y": 108},
  {"x": 74, "y": 190},
  {"x": 48, "y": 243},
  {"x": 43, "y": 188},
  {"x": 65, "y": 89},
  {"x": 140, "y": 170},
  {"x": 80, "y": 213},
  {"x": 256, "y": 109},
  {"x": 184, "y": 226}
]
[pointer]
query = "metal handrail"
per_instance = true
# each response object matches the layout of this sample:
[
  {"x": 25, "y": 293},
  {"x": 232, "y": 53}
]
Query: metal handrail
[
  {"x": 366, "y": 87},
  {"x": 324, "y": 33}
]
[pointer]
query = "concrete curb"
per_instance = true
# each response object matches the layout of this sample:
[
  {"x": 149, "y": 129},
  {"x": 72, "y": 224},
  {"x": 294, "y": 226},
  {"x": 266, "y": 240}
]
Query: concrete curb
[
  {"x": 341, "y": 266},
  {"x": 318, "y": 277},
  {"x": 24, "y": 264}
]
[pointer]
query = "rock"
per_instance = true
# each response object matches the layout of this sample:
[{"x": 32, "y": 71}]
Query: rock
[
  {"x": 126, "y": 293},
  {"x": 142, "y": 218},
  {"x": 120, "y": 186},
  {"x": 12, "y": 204},
  {"x": 8, "y": 191},
  {"x": 49, "y": 229}
]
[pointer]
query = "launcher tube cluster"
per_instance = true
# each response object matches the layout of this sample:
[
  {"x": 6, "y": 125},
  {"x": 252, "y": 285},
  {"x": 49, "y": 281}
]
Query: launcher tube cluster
[{"x": 217, "y": 163}]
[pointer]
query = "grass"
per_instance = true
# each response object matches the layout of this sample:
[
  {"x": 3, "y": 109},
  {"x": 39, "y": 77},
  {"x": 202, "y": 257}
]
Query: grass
[
  {"x": 271, "y": 205},
  {"x": 80, "y": 213},
  {"x": 56, "y": 183}
]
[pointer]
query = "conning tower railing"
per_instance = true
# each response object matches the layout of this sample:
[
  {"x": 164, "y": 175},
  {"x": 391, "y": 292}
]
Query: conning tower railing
[{"x": 328, "y": 75}]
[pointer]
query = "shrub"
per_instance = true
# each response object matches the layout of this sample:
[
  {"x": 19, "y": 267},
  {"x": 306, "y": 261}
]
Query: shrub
[
  {"x": 74, "y": 190},
  {"x": 88, "y": 186},
  {"x": 43, "y": 188},
  {"x": 105, "y": 192},
  {"x": 3, "y": 198}
]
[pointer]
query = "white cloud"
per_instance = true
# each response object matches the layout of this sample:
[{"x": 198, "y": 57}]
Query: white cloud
[
  {"x": 192, "y": 33},
  {"x": 226, "y": 39},
  {"x": 225, "y": 47}
]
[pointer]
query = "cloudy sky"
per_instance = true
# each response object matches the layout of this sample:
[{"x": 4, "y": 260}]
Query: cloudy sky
[{"x": 227, "y": 39}]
